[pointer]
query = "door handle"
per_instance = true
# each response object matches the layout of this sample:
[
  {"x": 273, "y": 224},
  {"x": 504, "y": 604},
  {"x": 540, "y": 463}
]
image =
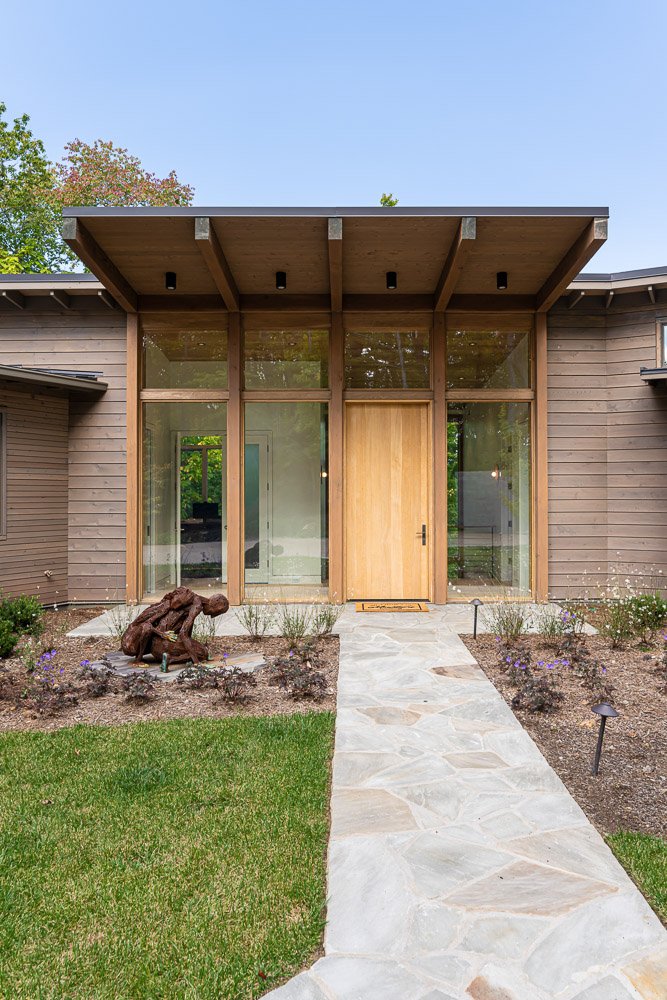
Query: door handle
[{"x": 422, "y": 534}]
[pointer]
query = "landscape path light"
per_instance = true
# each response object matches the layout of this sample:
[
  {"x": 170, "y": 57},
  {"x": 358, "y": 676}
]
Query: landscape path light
[
  {"x": 605, "y": 711},
  {"x": 476, "y": 603}
]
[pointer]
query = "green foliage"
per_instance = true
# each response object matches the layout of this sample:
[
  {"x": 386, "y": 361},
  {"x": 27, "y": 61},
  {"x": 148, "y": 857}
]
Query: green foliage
[
  {"x": 183, "y": 820},
  {"x": 325, "y": 618},
  {"x": 637, "y": 616},
  {"x": 23, "y": 613},
  {"x": 645, "y": 858},
  {"x": 256, "y": 619},
  {"x": 649, "y": 612},
  {"x": 508, "y": 619},
  {"x": 388, "y": 200},
  {"x": 295, "y": 622},
  {"x": 537, "y": 693},
  {"x": 8, "y": 639}
]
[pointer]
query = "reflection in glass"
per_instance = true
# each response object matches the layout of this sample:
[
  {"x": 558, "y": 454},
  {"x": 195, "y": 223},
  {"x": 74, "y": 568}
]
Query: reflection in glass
[
  {"x": 184, "y": 352},
  {"x": 488, "y": 499},
  {"x": 286, "y": 359},
  {"x": 488, "y": 359},
  {"x": 286, "y": 501},
  {"x": 184, "y": 496},
  {"x": 399, "y": 359}
]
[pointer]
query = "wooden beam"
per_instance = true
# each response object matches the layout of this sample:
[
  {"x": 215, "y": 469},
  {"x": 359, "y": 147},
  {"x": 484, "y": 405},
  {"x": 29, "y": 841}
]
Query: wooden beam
[
  {"x": 209, "y": 246},
  {"x": 77, "y": 237},
  {"x": 609, "y": 298},
  {"x": 14, "y": 298},
  {"x": 439, "y": 530},
  {"x": 465, "y": 234},
  {"x": 235, "y": 450},
  {"x": 541, "y": 463},
  {"x": 570, "y": 266},
  {"x": 651, "y": 294},
  {"x": 337, "y": 593},
  {"x": 495, "y": 302},
  {"x": 108, "y": 300},
  {"x": 62, "y": 298},
  {"x": 575, "y": 296},
  {"x": 335, "y": 244},
  {"x": 134, "y": 527}
]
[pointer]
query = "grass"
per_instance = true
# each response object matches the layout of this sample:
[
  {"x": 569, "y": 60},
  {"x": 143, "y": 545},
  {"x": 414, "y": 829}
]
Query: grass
[
  {"x": 162, "y": 859},
  {"x": 645, "y": 859}
]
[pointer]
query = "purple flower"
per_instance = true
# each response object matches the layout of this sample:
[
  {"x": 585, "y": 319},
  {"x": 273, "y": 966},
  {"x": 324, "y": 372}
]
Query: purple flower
[
  {"x": 540, "y": 663},
  {"x": 85, "y": 663}
]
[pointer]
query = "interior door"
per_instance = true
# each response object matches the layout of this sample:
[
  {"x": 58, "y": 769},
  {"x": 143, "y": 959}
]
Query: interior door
[{"x": 387, "y": 501}]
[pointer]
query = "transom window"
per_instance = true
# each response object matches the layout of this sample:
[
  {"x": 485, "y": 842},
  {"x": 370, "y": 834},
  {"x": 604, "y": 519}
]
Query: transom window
[
  {"x": 387, "y": 359},
  {"x": 488, "y": 358}
]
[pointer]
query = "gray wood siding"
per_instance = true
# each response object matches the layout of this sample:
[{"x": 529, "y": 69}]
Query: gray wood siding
[
  {"x": 607, "y": 451},
  {"x": 90, "y": 339},
  {"x": 35, "y": 540}
]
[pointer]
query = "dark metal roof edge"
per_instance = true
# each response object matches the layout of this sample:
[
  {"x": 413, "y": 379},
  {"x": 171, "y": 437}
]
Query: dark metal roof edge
[
  {"x": 190, "y": 211},
  {"x": 35, "y": 376},
  {"x": 60, "y": 276},
  {"x": 642, "y": 272}
]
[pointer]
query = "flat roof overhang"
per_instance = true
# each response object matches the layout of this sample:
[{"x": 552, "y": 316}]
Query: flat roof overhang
[
  {"x": 85, "y": 383},
  {"x": 336, "y": 258}
]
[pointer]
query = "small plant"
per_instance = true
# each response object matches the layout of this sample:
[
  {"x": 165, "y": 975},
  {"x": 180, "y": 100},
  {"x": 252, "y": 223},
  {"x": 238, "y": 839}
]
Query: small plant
[
  {"x": 204, "y": 629},
  {"x": 516, "y": 662},
  {"x": 550, "y": 625},
  {"x": 649, "y": 612},
  {"x": 325, "y": 617},
  {"x": 8, "y": 639},
  {"x": 28, "y": 650},
  {"x": 538, "y": 693},
  {"x": 508, "y": 620},
  {"x": 295, "y": 622},
  {"x": 199, "y": 676},
  {"x": 23, "y": 614},
  {"x": 98, "y": 679},
  {"x": 119, "y": 617},
  {"x": 255, "y": 619},
  {"x": 593, "y": 675},
  {"x": 617, "y": 621},
  {"x": 235, "y": 685},
  {"x": 138, "y": 687},
  {"x": 301, "y": 681}
]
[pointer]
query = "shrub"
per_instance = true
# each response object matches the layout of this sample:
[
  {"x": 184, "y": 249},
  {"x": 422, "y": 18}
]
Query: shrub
[
  {"x": 138, "y": 687},
  {"x": 199, "y": 676},
  {"x": 204, "y": 629},
  {"x": 648, "y": 613},
  {"x": 299, "y": 679},
  {"x": 549, "y": 623},
  {"x": 8, "y": 639},
  {"x": 119, "y": 617},
  {"x": 23, "y": 614},
  {"x": 538, "y": 693},
  {"x": 617, "y": 621},
  {"x": 509, "y": 620},
  {"x": 98, "y": 679},
  {"x": 255, "y": 619},
  {"x": 235, "y": 685},
  {"x": 294, "y": 622},
  {"x": 325, "y": 618}
]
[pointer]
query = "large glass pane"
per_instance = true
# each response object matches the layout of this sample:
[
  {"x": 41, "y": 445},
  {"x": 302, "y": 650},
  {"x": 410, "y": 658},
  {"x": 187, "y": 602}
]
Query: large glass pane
[
  {"x": 185, "y": 352},
  {"x": 488, "y": 500},
  {"x": 286, "y": 508},
  {"x": 286, "y": 359},
  {"x": 399, "y": 359},
  {"x": 184, "y": 497},
  {"x": 488, "y": 359}
]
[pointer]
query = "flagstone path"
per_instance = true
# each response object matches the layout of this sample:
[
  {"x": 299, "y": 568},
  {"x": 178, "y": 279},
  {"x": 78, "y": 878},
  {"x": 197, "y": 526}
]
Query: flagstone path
[{"x": 460, "y": 868}]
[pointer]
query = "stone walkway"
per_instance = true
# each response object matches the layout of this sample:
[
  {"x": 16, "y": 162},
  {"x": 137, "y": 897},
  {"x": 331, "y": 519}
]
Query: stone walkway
[{"x": 459, "y": 865}]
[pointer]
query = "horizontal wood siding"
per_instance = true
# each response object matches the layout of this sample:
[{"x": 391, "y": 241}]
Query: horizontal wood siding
[
  {"x": 90, "y": 339},
  {"x": 33, "y": 551},
  {"x": 607, "y": 452}
]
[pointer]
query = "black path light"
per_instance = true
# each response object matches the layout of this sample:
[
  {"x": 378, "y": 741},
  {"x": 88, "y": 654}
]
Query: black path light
[
  {"x": 476, "y": 603},
  {"x": 605, "y": 711}
]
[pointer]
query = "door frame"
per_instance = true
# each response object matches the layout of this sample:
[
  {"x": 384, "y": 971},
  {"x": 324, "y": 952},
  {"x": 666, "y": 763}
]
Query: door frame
[{"x": 428, "y": 403}]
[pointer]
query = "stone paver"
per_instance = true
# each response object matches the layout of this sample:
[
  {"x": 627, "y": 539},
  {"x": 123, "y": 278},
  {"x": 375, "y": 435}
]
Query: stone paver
[{"x": 460, "y": 868}]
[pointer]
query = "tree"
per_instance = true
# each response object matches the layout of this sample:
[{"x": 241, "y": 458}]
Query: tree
[
  {"x": 29, "y": 216},
  {"x": 34, "y": 191},
  {"x": 104, "y": 174},
  {"x": 388, "y": 201}
]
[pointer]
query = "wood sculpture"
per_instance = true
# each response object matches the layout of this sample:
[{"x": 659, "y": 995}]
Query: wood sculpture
[{"x": 167, "y": 627}]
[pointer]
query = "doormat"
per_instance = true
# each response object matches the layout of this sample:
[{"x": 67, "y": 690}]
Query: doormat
[{"x": 393, "y": 606}]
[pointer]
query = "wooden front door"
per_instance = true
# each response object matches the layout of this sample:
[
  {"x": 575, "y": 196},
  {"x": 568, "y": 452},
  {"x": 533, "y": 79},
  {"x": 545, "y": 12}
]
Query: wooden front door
[{"x": 387, "y": 501}]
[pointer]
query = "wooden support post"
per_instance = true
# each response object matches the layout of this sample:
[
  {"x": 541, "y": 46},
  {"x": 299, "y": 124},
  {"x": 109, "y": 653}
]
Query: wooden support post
[
  {"x": 335, "y": 245},
  {"x": 541, "y": 463},
  {"x": 133, "y": 574},
  {"x": 439, "y": 362},
  {"x": 235, "y": 546},
  {"x": 336, "y": 461}
]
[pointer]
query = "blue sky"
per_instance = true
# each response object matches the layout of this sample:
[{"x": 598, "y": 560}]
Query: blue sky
[{"x": 285, "y": 103}]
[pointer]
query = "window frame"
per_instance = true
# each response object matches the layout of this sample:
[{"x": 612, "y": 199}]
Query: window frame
[{"x": 661, "y": 341}]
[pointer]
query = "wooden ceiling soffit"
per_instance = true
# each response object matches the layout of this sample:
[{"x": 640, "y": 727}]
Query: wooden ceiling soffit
[
  {"x": 77, "y": 237},
  {"x": 465, "y": 234},
  {"x": 14, "y": 298},
  {"x": 335, "y": 244},
  {"x": 572, "y": 263},
  {"x": 209, "y": 246}
]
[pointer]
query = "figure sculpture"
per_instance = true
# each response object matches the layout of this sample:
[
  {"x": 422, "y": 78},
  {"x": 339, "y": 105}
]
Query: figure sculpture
[{"x": 167, "y": 627}]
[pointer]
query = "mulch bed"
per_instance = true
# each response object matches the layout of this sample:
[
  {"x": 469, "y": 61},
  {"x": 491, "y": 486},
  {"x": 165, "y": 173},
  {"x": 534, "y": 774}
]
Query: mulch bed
[
  {"x": 18, "y": 710},
  {"x": 630, "y": 792}
]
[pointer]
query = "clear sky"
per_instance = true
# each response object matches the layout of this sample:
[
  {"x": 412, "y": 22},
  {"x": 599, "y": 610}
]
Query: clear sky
[{"x": 510, "y": 102}]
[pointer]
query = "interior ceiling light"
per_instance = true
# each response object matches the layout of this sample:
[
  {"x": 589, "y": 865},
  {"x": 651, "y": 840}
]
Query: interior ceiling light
[
  {"x": 392, "y": 283},
  {"x": 501, "y": 281},
  {"x": 170, "y": 281},
  {"x": 281, "y": 280}
]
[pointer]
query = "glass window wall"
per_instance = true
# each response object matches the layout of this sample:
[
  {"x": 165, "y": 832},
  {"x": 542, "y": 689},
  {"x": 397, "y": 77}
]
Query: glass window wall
[
  {"x": 488, "y": 500},
  {"x": 184, "y": 352},
  {"x": 399, "y": 359},
  {"x": 488, "y": 359},
  {"x": 286, "y": 501},
  {"x": 286, "y": 359},
  {"x": 184, "y": 497}
]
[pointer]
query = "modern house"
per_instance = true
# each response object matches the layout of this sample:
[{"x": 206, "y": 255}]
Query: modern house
[{"x": 312, "y": 403}]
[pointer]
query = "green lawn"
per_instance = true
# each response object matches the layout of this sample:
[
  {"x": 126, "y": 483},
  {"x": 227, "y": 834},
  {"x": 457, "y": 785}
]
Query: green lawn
[
  {"x": 170, "y": 859},
  {"x": 645, "y": 859}
]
